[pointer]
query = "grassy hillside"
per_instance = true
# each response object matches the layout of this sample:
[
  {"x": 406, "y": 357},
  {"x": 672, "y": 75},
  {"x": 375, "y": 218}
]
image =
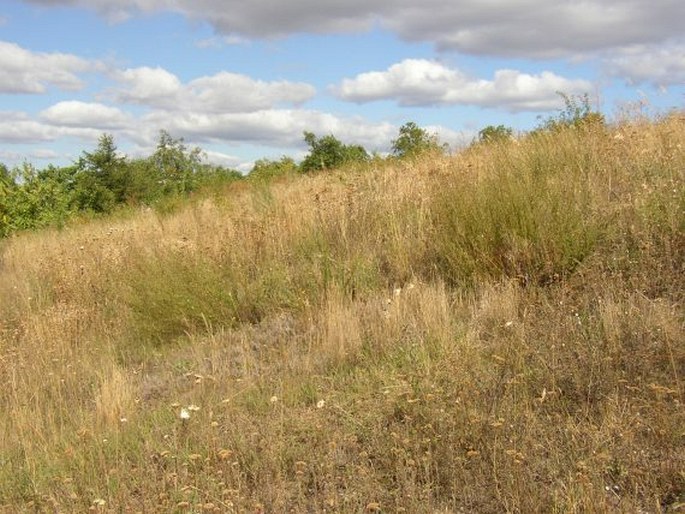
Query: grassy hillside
[{"x": 498, "y": 331}]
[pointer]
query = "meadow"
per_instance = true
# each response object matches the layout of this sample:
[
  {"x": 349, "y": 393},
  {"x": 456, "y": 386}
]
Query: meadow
[{"x": 499, "y": 330}]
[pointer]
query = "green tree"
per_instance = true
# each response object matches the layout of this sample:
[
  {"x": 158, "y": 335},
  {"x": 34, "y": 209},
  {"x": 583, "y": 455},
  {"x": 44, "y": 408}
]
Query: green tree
[
  {"x": 103, "y": 179},
  {"x": 493, "y": 134},
  {"x": 176, "y": 165},
  {"x": 328, "y": 152},
  {"x": 39, "y": 198},
  {"x": 414, "y": 140}
]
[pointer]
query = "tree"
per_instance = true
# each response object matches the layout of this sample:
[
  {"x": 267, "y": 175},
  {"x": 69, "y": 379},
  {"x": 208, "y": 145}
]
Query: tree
[
  {"x": 176, "y": 165},
  {"x": 414, "y": 140},
  {"x": 39, "y": 198},
  {"x": 104, "y": 178},
  {"x": 492, "y": 134},
  {"x": 328, "y": 152}
]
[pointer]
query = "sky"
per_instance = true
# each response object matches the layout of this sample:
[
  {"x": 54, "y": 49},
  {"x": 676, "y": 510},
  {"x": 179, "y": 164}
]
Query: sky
[{"x": 244, "y": 79}]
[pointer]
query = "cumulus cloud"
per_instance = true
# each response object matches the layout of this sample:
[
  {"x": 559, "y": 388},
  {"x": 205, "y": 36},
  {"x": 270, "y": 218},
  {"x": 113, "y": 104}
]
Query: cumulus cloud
[
  {"x": 19, "y": 127},
  {"x": 223, "y": 92},
  {"x": 420, "y": 82},
  {"x": 275, "y": 127},
  {"x": 660, "y": 66},
  {"x": 85, "y": 115},
  {"x": 24, "y": 71},
  {"x": 155, "y": 87},
  {"x": 498, "y": 27},
  {"x": 238, "y": 93}
]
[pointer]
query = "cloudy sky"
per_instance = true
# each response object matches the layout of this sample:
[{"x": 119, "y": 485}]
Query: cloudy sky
[{"x": 244, "y": 79}]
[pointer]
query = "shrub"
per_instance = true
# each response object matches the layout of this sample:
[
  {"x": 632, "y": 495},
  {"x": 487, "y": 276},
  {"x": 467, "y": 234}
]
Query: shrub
[{"x": 328, "y": 152}]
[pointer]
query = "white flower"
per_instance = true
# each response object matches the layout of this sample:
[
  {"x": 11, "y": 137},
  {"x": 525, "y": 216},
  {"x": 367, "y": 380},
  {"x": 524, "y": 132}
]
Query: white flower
[
  {"x": 273, "y": 399},
  {"x": 320, "y": 404},
  {"x": 185, "y": 414}
]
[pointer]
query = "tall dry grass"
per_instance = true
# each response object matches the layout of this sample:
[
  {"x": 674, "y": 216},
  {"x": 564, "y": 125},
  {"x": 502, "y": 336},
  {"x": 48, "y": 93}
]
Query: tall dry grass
[{"x": 498, "y": 331}]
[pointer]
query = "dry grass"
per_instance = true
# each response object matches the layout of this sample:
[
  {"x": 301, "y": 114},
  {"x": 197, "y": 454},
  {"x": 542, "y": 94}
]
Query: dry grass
[{"x": 499, "y": 331}]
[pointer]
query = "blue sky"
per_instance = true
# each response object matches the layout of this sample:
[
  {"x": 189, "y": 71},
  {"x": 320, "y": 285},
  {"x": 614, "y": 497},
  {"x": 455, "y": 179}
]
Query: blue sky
[{"x": 243, "y": 80}]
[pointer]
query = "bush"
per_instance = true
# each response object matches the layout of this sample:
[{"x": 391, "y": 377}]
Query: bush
[
  {"x": 266, "y": 169},
  {"x": 577, "y": 113},
  {"x": 328, "y": 152}
]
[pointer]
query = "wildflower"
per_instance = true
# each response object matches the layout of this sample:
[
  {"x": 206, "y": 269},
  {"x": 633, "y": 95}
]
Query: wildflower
[
  {"x": 273, "y": 399},
  {"x": 185, "y": 414},
  {"x": 320, "y": 404}
]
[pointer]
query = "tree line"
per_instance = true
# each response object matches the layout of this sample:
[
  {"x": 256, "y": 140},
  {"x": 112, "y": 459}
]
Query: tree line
[{"x": 102, "y": 180}]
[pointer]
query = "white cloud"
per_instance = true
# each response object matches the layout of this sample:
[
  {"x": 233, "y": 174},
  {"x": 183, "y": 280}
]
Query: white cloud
[
  {"x": 155, "y": 87},
  {"x": 233, "y": 92},
  {"x": 220, "y": 93},
  {"x": 85, "y": 115},
  {"x": 660, "y": 66},
  {"x": 18, "y": 127},
  {"x": 495, "y": 27},
  {"x": 24, "y": 71},
  {"x": 222, "y": 159},
  {"x": 275, "y": 127},
  {"x": 419, "y": 82},
  {"x": 456, "y": 139}
]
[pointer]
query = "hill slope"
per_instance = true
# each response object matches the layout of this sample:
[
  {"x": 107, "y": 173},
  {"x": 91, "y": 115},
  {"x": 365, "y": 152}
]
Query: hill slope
[{"x": 498, "y": 331}]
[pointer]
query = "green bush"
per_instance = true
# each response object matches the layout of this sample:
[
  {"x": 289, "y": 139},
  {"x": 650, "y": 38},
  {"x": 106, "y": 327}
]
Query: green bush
[
  {"x": 328, "y": 152},
  {"x": 577, "y": 113}
]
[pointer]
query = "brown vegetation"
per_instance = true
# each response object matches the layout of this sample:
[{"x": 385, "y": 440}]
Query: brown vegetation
[{"x": 497, "y": 331}]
